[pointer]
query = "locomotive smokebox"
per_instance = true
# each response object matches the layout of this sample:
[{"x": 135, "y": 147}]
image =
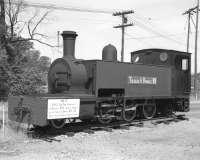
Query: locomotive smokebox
[
  {"x": 69, "y": 38},
  {"x": 67, "y": 74}
]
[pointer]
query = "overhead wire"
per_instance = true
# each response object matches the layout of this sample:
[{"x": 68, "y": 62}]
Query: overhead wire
[
  {"x": 193, "y": 21},
  {"x": 152, "y": 30},
  {"x": 138, "y": 40},
  {"x": 158, "y": 36},
  {"x": 79, "y": 9},
  {"x": 148, "y": 27},
  {"x": 68, "y": 8}
]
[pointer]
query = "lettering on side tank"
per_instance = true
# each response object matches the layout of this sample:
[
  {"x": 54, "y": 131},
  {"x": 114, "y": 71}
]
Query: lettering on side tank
[{"x": 142, "y": 80}]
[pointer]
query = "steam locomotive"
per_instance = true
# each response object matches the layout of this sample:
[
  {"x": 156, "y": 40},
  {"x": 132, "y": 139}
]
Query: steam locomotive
[{"x": 155, "y": 81}]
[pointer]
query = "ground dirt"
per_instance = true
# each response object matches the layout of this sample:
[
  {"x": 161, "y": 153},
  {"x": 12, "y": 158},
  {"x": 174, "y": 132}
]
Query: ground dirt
[{"x": 173, "y": 141}]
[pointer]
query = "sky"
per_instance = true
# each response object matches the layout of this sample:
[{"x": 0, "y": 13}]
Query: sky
[{"x": 157, "y": 24}]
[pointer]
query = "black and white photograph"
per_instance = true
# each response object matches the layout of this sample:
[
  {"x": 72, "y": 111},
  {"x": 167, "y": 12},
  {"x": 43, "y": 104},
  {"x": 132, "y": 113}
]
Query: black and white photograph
[{"x": 99, "y": 80}]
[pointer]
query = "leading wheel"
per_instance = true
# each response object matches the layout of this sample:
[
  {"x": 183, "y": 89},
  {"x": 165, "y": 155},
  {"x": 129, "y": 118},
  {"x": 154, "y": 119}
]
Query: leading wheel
[
  {"x": 149, "y": 111},
  {"x": 57, "y": 123},
  {"x": 129, "y": 113}
]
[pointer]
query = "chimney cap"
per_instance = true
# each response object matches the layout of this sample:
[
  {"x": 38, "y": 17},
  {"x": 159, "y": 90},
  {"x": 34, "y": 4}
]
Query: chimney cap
[{"x": 69, "y": 34}]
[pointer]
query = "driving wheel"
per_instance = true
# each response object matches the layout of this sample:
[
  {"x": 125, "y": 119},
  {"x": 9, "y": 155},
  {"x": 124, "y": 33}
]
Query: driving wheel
[
  {"x": 105, "y": 116},
  {"x": 129, "y": 113}
]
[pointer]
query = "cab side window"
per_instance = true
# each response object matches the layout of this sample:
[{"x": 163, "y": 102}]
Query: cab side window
[
  {"x": 184, "y": 64},
  {"x": 136, "y": 58}
]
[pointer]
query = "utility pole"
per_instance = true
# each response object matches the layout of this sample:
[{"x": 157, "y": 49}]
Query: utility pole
[
  {"x": 122, "y": 26},
  {"x": 2, "y": 23},
  {"x": 190, "y": 12},
  {"x": 196, "y": 48},
  {"x": 188, "y": 33},
  {"x": 58, "y": 40}
]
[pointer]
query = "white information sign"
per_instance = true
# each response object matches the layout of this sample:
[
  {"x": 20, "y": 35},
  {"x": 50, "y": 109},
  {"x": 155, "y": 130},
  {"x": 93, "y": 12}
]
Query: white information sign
[{"x": 63, "y": 108}]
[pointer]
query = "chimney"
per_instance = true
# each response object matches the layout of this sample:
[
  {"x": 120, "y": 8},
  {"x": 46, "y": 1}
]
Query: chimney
[{"x": 69, "y": 38}]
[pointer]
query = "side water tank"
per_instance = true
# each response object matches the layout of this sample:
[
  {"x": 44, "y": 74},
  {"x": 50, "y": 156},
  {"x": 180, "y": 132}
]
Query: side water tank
[{"x": 109, "y": 53}]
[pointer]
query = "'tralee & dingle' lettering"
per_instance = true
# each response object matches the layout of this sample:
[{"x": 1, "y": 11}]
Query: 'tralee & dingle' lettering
[{"x": 142, "y": 80}]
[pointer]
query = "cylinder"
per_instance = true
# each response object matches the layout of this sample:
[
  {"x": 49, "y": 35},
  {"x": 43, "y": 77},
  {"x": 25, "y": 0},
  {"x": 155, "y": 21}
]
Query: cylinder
[{"x": 69, "y": 38}]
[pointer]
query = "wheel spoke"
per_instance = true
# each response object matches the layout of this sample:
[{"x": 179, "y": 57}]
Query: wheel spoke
[
  {"x": 129, "y": 113},
  {"x": 149, "y": 110}
]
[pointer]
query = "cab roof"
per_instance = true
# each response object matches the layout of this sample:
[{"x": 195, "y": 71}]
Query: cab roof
[{"x": 159, "y": 50}]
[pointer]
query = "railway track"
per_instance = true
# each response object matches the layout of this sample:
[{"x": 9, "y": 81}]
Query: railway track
[{"x": 49, "y": 134}]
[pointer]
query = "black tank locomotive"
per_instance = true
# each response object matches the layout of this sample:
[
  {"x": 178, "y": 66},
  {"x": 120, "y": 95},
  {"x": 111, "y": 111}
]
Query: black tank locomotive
[{"x": 155, "y": 81}]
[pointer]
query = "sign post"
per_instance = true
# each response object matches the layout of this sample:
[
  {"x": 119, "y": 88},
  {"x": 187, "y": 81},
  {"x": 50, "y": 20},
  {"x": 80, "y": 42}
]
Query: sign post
[{"x": 3, "y": 125}]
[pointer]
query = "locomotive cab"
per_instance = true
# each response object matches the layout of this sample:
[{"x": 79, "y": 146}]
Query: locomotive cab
[
  {"x": 178, "y": 62},
  {"x": 162, "y": 57}
]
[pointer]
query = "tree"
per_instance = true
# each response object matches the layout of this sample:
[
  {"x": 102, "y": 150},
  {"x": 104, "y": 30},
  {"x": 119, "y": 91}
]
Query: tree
[
  {"x": 21, "y": 65},
  {"x": 17, "y": 26},
  {"x": 44, "y": 63},
  {"x": 31, "y": 75}
]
